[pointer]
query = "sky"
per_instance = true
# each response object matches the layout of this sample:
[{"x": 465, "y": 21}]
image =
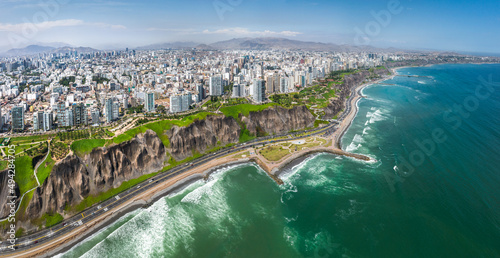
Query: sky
[{"x": 109, "y": 24}]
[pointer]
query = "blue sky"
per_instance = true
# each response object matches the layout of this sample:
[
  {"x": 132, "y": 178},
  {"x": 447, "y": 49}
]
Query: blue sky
[{"x": 409, "y": 24}]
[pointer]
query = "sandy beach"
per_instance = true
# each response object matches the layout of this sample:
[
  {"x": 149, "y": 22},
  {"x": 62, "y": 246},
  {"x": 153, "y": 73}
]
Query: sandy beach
[{"x": 144, "y": 199}]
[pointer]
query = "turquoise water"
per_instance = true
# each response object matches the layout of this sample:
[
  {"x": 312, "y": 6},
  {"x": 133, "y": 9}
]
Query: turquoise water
[{"x": 433, "y": 192}]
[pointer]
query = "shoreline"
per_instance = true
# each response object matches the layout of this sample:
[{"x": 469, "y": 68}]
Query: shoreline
[
  {"x": 353, "y": 101},
  {"x": 176, "y": 188},
  {"x": 182, "y": 181}
]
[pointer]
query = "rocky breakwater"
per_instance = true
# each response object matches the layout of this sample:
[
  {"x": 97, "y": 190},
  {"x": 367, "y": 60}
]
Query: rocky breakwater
[
  {"x": 201, "y": 135},
  {"x": 277, "y": 119},
  {"x": 75, "y": 178}
]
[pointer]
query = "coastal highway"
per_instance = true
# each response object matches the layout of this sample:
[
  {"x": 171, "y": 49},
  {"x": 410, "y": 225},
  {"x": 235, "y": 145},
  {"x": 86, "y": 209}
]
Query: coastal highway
[
  {"x": 38, "y": 240},
  {"x": 25, "y": 245}
]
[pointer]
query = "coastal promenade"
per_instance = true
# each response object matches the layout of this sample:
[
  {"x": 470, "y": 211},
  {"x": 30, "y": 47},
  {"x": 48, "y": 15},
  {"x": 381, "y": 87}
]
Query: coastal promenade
[{"x": 61, "y": 237}]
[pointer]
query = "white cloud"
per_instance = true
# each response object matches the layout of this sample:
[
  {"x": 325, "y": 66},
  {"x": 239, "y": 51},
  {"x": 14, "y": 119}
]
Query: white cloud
[
  {"x": 186, "y": 31},
  {"x": 19, "y": 27},
  {"x": 237, "y": 31},
  {"x": 247, "y": 32}
]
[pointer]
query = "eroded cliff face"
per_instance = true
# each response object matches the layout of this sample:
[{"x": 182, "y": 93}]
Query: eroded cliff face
[
  {"x": 277, "y": 119},
  {"x": 74, "y": 178},
  {"x": 350, "y": 81},
  {"x": 5, "y": 195},
  {"x": 201, "y": 135}
]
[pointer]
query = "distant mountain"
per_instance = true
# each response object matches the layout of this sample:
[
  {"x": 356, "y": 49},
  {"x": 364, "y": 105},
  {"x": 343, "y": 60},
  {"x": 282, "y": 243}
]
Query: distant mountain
[
  {"x": 173, "y": 45},
  {"x": 29, "y": 50},
  {"x": 204, "y": 47},
  {"x": 37, "y": 49},
  {"x": 63, "y": 50},
  {"x": 283, "y": 43},
  {"x": 266, "y": 43}
]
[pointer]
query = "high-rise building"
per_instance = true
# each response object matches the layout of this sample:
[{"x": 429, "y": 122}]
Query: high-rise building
[
  {"x": 149, "y": 102},
  {"x": 38, "y": 121},
  {"x": 216, "y": 88},
  {"x": 125, "y": 102},
  {"x": 80, "y": 116},
  {"x": 186, "y": 101},
  {"x": 238, "y": 91},
  {"x": 269, "y": 84},
  {"x": 48, "y": 121},
  {"x": 95, "y": 115},
  {"x": 109, "y": 110},
  {"x": 258, "y": 90},
  {"x": 115, "y": 110},
  {"x": 180, "y": 103},
  {"x": 175, "y": 103},
  {"x": 276, "y": 82},
  {"x": 284, "y": 85},
  {"x": 201, "y": 92},
  {"x": 17, "y": 119}
]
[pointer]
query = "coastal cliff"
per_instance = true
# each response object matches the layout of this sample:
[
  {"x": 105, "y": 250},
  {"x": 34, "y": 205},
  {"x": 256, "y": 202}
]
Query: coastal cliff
[
  {"x": 201, "y": 135},
  {"x": 350, "y": 81},
  {"x": 5, "y": 193},
  {"x": 277, "y": 119},
  {"x": 75, "y": 178}
]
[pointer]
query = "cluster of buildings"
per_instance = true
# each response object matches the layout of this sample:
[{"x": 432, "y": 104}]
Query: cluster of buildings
[{"x": 65, "y": 90}]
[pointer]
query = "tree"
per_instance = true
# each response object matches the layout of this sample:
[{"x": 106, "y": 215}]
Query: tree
[{"x": 160, "y": 109}]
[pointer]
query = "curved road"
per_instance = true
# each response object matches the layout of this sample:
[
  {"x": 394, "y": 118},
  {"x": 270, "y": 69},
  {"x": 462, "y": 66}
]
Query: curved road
[{"x": 38, "y": 240}]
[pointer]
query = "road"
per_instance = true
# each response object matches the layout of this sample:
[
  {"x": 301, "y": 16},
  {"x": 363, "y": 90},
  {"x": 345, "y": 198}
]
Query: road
[{"x": 46, "y": 236}]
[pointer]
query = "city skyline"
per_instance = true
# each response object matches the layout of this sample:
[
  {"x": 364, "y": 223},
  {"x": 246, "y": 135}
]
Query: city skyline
[{"x": 422, "y": 25}]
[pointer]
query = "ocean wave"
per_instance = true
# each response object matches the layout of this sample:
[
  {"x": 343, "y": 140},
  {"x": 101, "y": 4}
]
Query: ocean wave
[
  {"x": 102, "y": 233},
  {"x": 287, "y": 174},
  {"x": 356, "y": 143},
  {"x": 378, "y": 115},
  {"x": 143, "y": 233}
]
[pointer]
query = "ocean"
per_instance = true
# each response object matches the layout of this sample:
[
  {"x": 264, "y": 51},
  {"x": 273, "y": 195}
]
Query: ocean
[{"x": 433, "y": 192}]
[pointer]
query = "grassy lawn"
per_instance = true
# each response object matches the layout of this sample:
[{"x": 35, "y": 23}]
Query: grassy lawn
[
  {"x": 3, "y": 164},
  {"x": 49, "y": 220},
  {"x": 245, "y": 136},
  {"x": 244, "y": 109},
  {"x": 24, "y": 174},
  {"x": 160, "y": 127},
  {"x": 28, "y": 139},
  {"x": 44, "y": 169},
  {"x": 329, "y": 94},
  {"x": 24, "y": 147},
  {"x": 274, "y": 152},
  {"x": 83, "y": 147},
  {"x": 24, "y": 204},
  {"x": 109, "y": 133}
]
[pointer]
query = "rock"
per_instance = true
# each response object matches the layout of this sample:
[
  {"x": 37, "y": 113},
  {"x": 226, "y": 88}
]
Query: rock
[
  {"x": 5, "y": 194},
  {"x": 277, "y": 119},
  {"x": 201, "y": 135},
  {"x": 74, "y": 178}
]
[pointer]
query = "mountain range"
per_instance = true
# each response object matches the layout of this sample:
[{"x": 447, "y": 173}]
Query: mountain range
[
  {"x": 265, "y": 43},
  {"x": 38, "y": 49}
]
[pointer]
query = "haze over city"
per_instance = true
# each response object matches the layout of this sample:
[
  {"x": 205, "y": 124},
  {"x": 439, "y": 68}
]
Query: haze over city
[
  {"x": 249, "y": 128},
  {"x": 414, "y": 25}
]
